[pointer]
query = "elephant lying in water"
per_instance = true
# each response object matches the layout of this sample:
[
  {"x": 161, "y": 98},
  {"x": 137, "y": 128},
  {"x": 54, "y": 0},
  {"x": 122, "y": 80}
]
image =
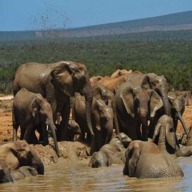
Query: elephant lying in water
[
  {"x": 154, "y": 160},
  {"x": 145, "y": 160},
  {"x": 18, "y": 160},
  {"x": 111, "y": 153}
]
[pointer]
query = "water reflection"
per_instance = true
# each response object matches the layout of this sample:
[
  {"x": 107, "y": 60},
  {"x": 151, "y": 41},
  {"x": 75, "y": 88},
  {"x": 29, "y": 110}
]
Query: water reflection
[{"x": 82, "y": 178}]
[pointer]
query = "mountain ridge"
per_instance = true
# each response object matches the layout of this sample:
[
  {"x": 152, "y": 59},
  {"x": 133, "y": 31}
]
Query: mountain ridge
[{"x": 170, "y": 22}]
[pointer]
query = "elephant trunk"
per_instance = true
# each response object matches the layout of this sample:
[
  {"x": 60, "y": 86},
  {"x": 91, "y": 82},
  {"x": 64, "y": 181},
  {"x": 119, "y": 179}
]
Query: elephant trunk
[
  {"x": 161, "y": 141},
  {"x": 182, "y": 122},
  {"x": 88, "y": 93},
  {"x": 166, "y": 104},
  {"x": 109, "y": 129},
  {"x": 53, "y": 129},
  {"x": 144, "y": 123}
]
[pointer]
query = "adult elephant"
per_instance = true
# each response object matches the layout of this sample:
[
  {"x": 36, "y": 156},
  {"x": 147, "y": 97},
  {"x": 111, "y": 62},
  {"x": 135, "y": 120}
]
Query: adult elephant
[
  {"x": 102, "y": 120},
  {"x": 57, "y": 82},
  {"x": 135, "y": 103},
  {"x": 145, "y": 160},
  {"x": 31, "y": 111},
  {"x": 15, "y": 155}
]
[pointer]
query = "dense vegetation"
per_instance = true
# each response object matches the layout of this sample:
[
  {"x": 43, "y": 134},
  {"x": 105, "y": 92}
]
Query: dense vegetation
[{"x": 103, "y": 56}]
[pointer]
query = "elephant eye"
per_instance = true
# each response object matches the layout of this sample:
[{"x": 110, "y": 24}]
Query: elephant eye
[{"x": 171, "y": 129}]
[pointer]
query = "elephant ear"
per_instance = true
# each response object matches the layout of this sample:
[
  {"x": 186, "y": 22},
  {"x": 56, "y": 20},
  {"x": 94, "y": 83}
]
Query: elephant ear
[
  {"x": 155, "y": 103},
  {"x": 170, "y": 135},
  {"x": 62, "y": 78},
  {"x": 132, "y": 156},
  {"x": 127, "y": 96},
  {"x": 146, "y": 83},
  {"x": 35, "y": 109}
]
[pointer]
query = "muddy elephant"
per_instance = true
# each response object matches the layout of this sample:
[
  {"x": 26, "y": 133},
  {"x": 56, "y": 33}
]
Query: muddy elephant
[
  {"x": 102, "y": 120},
  {"x": 164, "y": 135},
  {"x": 160, "y": 85},
  {"x": 177, "y": 109},
  {"x": 19, "y": 157},
  {"x": 57, "y": 82},
  {"x": 111, "y": 153},
  {"x": 121, "y": 72},
  {"x": 32, "y": 112},
  {"x": 101, "y": 92},
  {"x": 73, "y": 130},
  {"x": 135, "y": 103},
  {"x": 145, "y": 160},
  {"x": 109, "y": 82}
]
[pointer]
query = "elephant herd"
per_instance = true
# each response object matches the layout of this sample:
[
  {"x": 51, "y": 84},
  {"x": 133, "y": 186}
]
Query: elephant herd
[{"x": 128, "y": 117}]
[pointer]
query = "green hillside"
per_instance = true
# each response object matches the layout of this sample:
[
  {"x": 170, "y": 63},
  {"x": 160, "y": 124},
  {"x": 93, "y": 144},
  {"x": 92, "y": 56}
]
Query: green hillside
[{"x": 172, "y": 22}]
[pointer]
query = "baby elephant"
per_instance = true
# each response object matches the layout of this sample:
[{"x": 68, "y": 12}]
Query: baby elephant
[
  {"x": 145, "y": 160},
  {"x": 111, "y": 153},
  {"x": 18, "y": 160},
  {"x": 31, "y": 111}
]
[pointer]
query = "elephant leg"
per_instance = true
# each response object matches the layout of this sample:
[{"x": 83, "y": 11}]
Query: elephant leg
[
  {"x": 37, "y": 163},
  {"x": 28, "y": 171},
  {"x": 28, "y": 133},
  {"x": 46, "y": 134},
  {"x": 64, "y": 122}
]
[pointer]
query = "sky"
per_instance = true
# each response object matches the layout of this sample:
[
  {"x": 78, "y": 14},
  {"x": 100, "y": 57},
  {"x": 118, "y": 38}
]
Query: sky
[{"x": 19, "y": 15}]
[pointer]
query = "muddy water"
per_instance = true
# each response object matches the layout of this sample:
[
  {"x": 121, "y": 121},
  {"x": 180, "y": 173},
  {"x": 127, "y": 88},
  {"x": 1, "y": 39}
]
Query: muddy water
[{"x": 80, "y": 177}]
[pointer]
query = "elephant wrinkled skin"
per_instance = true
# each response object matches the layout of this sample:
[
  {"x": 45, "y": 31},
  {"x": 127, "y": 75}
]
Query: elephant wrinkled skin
[
  {"x": 145, "y": 160},
  {"x": 102, "y": 120},
  {"x": 16, "y": 159},
  {"x": 111, "y": 153},
  {"x": 31, "y": 111},
  {"x": 57, "y": 82}
]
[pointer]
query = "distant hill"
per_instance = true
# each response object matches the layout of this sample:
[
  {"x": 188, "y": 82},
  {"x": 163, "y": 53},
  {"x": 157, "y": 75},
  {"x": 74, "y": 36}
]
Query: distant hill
[{"x": 173, "y": 22}]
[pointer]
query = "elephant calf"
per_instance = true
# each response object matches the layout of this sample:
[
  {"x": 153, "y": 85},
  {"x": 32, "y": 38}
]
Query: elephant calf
[
  {"x": 145, "y": 160},
  {"x": 18, "y": 160},
  {"x": 31, "y": 111},
  {"x": 111, "y": 153}
]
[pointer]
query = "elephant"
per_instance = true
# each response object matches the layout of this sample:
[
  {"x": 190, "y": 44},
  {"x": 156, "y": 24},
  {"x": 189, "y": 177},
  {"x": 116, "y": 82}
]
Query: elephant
[
  {"x": 57, "y": 82},
  {"x": 109, "y": 82},
  {"x": 30, "y": 112},
  {"x": 15, "y": 156},
  {"x": 101, "y": 92},
  {"x": 134, "y": 104},
  {"x": 189, "y": 138},
  {"x": 5, "y": 174},
  {"x": 161, "y": 86},
  {"x": 177, "y": 109},
  {"x": 111, "y": 153},
  {"x": 165, "y": 137},
  {"x": 144, "y": 159},
  {"x": 22, "y": 172},
  {"x": 102, "y": 120},
  {"x": 74, "y": 130},
  {"x": 120, "y": 72}
]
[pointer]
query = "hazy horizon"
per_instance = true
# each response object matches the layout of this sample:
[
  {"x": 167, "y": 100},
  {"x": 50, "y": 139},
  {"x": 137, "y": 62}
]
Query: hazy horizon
[{"x": 25, "y": 15}]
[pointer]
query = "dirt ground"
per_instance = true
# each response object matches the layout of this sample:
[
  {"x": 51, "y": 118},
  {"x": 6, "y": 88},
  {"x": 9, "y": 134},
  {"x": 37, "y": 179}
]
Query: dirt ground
[{"x": 70, "y": 150}]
